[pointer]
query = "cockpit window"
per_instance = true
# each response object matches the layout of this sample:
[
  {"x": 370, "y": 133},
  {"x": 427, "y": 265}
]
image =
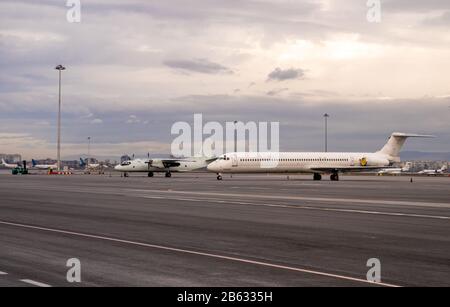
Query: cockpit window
[{"x": 125, "y": 163}]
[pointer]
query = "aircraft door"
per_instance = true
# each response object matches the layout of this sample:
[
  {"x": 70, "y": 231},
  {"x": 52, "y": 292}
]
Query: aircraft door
[{"x": 234, "y": 161}]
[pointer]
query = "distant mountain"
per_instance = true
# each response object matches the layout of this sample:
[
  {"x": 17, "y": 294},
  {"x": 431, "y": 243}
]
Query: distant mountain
[{"x": 425, "y": 156}]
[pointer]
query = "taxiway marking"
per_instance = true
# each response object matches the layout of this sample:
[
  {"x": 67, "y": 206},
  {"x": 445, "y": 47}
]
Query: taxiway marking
[
  {"x": 35, "y": 283},
  {"x": 320, "y": 199},
  {"x": 287, "y": 206}
]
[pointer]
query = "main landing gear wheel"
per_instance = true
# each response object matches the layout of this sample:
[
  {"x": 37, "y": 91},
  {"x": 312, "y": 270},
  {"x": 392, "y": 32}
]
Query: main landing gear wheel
[
  {"x": 317, "y": 176},
  {"x": 150, "y": 174},
  {"x": 334, "y": 177},
  {"x": 168, "y": 174},
  {"x": 219, "y": 177}
]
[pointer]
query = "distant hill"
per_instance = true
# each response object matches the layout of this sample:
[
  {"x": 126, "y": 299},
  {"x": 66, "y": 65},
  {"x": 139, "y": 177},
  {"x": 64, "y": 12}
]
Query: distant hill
[{"x": 425, "y": 156}]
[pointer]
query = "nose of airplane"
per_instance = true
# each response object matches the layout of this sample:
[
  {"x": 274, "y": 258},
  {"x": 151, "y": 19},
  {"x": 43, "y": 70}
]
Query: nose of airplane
[
  {"x": 213, "y": 167},
  {"x": 118, "y": 167}
]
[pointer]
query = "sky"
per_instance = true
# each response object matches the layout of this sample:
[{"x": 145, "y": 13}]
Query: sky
[{"x": 134, "y": 68}]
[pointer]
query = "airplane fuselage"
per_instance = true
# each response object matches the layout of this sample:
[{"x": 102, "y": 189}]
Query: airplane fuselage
[
  {"x": 431, "y": 172},
  {"x": 45, "y": 167},
  {"x": 140, "y": 165},
  {"x": 296, "y": 162},
  {"x": 7, "y": 165},
  {"x": 391, "y": 171}
]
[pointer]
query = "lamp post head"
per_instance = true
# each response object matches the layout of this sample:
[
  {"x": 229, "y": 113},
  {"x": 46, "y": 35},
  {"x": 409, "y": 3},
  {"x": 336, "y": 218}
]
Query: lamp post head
[
  {"x": 60, "y": 67},
  {"x": 326, "y": 115}
]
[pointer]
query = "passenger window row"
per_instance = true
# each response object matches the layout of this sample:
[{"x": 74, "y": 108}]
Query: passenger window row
[{"x": 294, "y": 160}]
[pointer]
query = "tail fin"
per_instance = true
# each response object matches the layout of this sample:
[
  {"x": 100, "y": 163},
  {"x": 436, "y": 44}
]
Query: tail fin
[
  {"x": 395, "y": 144},
  {"x": 82, "y": 163},
  {"x": 444, "y": 167},
  {"x": 33, "y": 162},
  {"x": 3, "y": 162}
]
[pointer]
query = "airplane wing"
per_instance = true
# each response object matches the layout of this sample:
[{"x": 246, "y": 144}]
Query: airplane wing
[
  {"x": 211, "y": 159},
  {"x": 164, "y": 163},
  {"x": 172, "y": 162}
]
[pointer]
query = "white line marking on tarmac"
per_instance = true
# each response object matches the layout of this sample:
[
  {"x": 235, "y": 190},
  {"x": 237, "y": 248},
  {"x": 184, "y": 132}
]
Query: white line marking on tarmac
[
  {"x": 185, "y": 251},
  {"x": 304, "y": 207},
  {"x": 320, "y": 199},
  {"x": 35, "y": 283}
]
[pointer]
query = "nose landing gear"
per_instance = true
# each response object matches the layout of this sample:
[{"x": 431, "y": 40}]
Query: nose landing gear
[
  {"x": 219, "y": 177},
  {"x": 150, "y": 174},
  {"x": 168, "y": 174}
]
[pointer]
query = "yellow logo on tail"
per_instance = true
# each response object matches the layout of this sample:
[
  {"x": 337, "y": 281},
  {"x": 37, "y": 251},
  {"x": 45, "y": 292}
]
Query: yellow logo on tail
[{"x": 363, "y": 161}]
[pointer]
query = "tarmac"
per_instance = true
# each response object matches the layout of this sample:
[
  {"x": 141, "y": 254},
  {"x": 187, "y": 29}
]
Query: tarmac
[{"x": 247, "y": 230}]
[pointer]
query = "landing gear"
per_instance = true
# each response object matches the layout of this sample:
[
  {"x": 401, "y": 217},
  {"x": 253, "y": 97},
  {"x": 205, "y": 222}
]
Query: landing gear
[
  {"x": 126, "y": 175},
  {"x": 317, "y": 176},
  {"x": 168, "y": 174},
  {"x": 150, "y": 174},
  {"x": 219, "y": 177},
  {"x": 334, "y": 177}
]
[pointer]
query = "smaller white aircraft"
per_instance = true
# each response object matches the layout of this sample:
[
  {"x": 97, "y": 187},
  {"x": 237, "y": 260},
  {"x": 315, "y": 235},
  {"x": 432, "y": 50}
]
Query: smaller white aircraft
[
  {"x": 167, "y": 166},
  {"x": 396, "y": 171},
  {"x": 433, "y": 172},
  {"x": 11, "y": 166},
  {"x": 43, "y": 166}
]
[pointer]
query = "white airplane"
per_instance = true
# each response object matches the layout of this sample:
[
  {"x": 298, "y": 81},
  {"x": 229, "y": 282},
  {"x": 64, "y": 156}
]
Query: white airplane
[
  {"x": 396, "y": 171},
  {"x": 92, "y": 167},
  {"x": 44, "y": 166},
  {"x": 11, "y": 166},
  {"x": 166, "y": 166},
  {"x": 430, "y": 172},
  {"x": 316, "y": 163}
]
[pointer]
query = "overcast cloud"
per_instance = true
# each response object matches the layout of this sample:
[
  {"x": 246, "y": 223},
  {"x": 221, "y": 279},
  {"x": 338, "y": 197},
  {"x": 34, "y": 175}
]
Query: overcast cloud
[
  {"x": 135, "y": 67},
  {"x": 288, "y": 74}
]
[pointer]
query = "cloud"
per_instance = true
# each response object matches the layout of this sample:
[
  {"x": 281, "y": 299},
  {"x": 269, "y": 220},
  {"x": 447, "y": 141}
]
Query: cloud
[
  {"x": 301, "y": 124},
  {"x": 417, "y": 6},
  {"x": 121, "y": 60},
  {"x": 275, "y": 92},
  {"x": 32, "y": 147},
  {"x": 441, "y": 20},
  {"x": 133, "y": 119},
  {"x": 198, "y": 66},
  {"x": 288, "y": 74},
  {"x": 96, "y": 121}
]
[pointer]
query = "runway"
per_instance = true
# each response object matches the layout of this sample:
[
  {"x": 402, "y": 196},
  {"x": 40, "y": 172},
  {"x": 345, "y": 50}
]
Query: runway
[{"x": 192, "y": 230}]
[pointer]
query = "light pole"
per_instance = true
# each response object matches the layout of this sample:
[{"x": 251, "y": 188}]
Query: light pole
[
  {"x": 60, "y": 68},
  {"x": 89, "y": 151},
  {"x": 326, "y": 115},
  {"x": 235, "y": 136}
]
